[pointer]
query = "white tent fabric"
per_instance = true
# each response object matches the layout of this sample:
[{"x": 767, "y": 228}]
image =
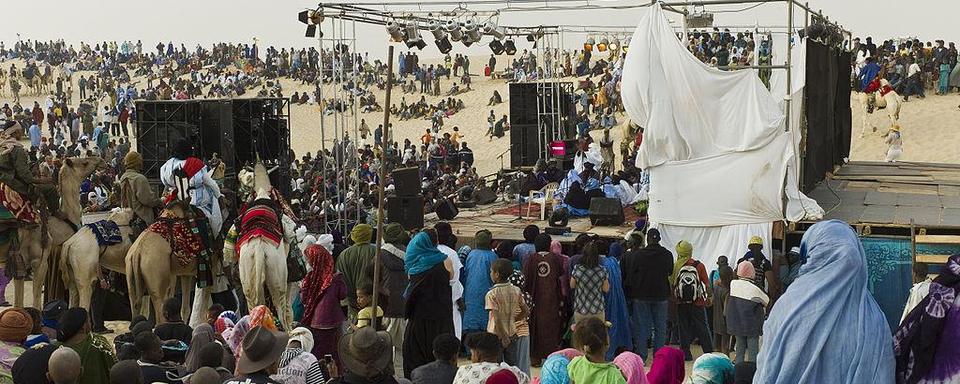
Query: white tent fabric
[{"x": 719, "y": 158}]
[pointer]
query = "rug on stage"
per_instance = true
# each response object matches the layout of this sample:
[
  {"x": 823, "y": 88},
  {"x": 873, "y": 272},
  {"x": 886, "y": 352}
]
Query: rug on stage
[
  {"x": 629, "y": 213},
  {"x": 107, "y": 232}
]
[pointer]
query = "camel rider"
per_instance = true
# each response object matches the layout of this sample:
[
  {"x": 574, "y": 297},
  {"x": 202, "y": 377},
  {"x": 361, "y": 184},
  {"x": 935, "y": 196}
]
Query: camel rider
[
  {"x": 183, "y": 172},
  {"x": 16, "y": 178},
  {"x": 136, "y": 194}
]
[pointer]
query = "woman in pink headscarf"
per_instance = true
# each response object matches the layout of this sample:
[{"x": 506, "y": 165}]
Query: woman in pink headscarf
[
  {"x": 631, "y": 365},
  {"x": 667, "y": 367}
]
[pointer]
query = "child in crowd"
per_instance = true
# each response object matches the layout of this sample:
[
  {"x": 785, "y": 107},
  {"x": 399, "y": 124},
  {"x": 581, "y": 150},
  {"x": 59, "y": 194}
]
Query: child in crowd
[
  {"x": 590, "y": 337},
  {"x": 365, "y": 302},
  {"x": 502, "y": 302}
]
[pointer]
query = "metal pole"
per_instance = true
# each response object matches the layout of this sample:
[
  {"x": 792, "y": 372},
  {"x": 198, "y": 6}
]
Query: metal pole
[
  {"x": 788, "y": 97},
  {"x": 382, "y": 181},
  {"x": 715, "y": 2}
]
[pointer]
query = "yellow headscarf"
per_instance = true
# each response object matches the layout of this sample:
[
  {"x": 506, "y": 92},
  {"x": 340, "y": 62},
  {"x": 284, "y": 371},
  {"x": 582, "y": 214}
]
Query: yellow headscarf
[
  {"x": 361, "y": 233},
  {"x": 684, "y": 253}
]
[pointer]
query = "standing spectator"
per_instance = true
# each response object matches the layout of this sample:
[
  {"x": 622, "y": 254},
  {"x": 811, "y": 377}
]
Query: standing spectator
[
  {"x": 395, "y": 281},
  {"x": 690, "y": 290},
  {"x": 745, "y": 313},
  {"x": 429, "y": 307},
  {"x": 766, "y": 278},
  {"x": 502, "y": 302},
  {"x": 352, "y": 263},
  {"x": 476, "y": 277},
  {"x": 544, "y": 273},
  {"x": 322, "y": 290},
  {"x": 589, "y": 279}
]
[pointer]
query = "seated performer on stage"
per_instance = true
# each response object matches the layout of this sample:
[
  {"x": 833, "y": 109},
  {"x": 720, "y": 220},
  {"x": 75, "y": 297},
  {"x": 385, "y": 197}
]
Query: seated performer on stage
[{"x": 183, "y": 173}]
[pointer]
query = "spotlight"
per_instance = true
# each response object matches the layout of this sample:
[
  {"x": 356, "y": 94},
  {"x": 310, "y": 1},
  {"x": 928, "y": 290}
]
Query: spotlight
[
  {"x": 509, "y": 47},
  {"x": 497, "y": 47},
  {"x": 437, "y": 30},
  {"x": 312, "y": 18},
  {"x": 396, "y": 33},
  {"x": 312, "y": 31},
  {"x": 471, "y": 30},
  {"x": 491, "y": 29},
  {"x": 534, "y": 36},
  {"x": 444, "y": 45},
  {"x": 453, "y": 28},
  {"x": 588, "y": 45},
  {"x": 413, "y": 36},
  {"x": 602, "y": 47},
  {"x": 615, "y": 44}
]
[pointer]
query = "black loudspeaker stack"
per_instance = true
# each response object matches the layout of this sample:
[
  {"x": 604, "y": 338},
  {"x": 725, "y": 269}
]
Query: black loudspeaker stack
[
  {"x": 406, "y": 208},
  {"x": 532, "y": 104},
  {"x": 606, "y": 211}
]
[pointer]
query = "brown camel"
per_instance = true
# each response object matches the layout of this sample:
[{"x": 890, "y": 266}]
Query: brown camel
[
  {"x": 152, "y": 269},
  {"x": 35, "y": 249}
]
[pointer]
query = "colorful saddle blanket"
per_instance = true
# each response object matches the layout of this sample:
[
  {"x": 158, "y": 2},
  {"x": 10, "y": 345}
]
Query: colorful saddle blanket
[
  {"x": 260, "y": 221},
  {"x": 107, "y": 232},
  {"x": 18, "y": 206},
  {"x": 183, "y": 235}
]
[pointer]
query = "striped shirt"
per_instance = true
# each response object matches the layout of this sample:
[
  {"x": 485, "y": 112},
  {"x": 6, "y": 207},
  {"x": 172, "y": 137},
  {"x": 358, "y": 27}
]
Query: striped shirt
[{"x": 298, "y": 366}]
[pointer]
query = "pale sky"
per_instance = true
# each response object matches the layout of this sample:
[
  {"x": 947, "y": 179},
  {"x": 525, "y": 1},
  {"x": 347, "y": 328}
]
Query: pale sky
[{"x": 275, "y": 22}]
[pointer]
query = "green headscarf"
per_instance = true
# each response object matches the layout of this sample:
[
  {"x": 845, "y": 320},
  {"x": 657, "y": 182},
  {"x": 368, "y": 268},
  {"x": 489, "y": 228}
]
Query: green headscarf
[
  {"x": 393, "y": 233},
  {"x": 361, "y": 233},
  {"x": 684, "y": 253}
]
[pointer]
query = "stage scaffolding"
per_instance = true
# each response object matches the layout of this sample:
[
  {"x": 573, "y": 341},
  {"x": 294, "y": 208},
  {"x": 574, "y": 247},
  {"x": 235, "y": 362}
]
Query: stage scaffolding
[{"x": 339, "y": 131}]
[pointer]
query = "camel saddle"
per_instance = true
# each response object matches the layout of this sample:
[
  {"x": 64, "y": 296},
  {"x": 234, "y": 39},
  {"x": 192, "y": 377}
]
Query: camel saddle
[
  {"x": 260, "y": 220},
  {"x": 189, "y": 240}
]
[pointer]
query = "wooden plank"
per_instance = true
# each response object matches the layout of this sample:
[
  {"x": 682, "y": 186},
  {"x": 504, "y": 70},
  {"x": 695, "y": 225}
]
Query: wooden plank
[
  {"x": 938, "y": 239},
  {"x": 932, "y": 259}
]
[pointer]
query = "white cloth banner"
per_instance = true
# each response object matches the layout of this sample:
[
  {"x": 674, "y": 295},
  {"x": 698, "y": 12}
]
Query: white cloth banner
[
  {"x": 719, "y": 158},
  {"x": 709, "y": 243}
]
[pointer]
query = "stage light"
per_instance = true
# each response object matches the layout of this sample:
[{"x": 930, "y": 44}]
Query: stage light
[
  {"x": 396, "y": 32},
  {"x": 602, "y": 47},
  {"x": 509, "y": 48},
  {"x": 534, "y": 36},
  {"x": 413, "y": 36},
  {"x": 615, "y": 44},
  {"x": 444, "y": 45},
  {"x": 497, "y": 47},
  {"x": 312, "y": 18},
  {"x": 491, "y": 29},
  {"x": 453, "y": 28},
  {"x": 437, "y": 30},
  {"x": 312, "y": 31},
  {"x": 472, "y": 31},
  {"x": 304, "y": 16},
  {"x": 588, "y": 45}
]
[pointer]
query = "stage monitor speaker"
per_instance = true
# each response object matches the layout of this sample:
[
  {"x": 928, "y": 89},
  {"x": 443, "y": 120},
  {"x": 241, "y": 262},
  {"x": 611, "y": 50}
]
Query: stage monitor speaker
[
  {"x": 484, "y": 195},
  {"x": 406, "y": 181},
  {"x": 406, "y": 211},
  {"x": 605, "y": 211},
  {"x": 446, "y": 209}
]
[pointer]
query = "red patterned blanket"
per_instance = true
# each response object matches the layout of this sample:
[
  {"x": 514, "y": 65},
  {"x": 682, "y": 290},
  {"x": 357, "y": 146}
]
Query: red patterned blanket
[
  {"x": 259, "y": 221},
  {"x": 186, "y": 242}
]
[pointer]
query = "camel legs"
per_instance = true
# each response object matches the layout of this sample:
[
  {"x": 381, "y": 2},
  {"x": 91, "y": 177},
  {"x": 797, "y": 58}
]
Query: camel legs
[
  {"x": 201, "y": 302},
  {"x": 18, "y": 293},
  {"x": 186, "y": 284}
]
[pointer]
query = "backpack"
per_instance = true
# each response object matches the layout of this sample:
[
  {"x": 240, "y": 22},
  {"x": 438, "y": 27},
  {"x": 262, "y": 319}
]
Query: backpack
[{"x": 689, "y": 288}]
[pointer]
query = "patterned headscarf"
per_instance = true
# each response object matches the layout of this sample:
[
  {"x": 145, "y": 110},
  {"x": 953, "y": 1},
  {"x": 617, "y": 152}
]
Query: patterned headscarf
[
  {"x": 317, "y": 280},
  {"x": 712, "y": 368},
  {"x": 260, "y": 316},
  {"x": 234, "y": 336}
]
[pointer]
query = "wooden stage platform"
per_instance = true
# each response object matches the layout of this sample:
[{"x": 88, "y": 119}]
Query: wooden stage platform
[{"x": 510, "y": 227}]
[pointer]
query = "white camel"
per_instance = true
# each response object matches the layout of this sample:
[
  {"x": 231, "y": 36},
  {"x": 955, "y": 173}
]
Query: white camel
[
  {"x": 82, "y": 256},
  {"x": 887, "y": 99},
  {"x": 261, "y": 262}
]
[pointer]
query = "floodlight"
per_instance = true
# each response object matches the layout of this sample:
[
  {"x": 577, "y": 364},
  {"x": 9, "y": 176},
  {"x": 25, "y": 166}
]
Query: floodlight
[
  {"x": 472, "y": 31},
  {"x": 509, "y": 47},
  {"x": 413, "y": 36},
  {"x": 588, "y": 45},
  {"x": 453, "y": 28},
  {"x": 396, "y": 32},
  {"x": 615, "y": 44},
  {"x": 437, "y": 30},
  {"x": 602, "y": 47},
  {"x": 444, "y": 45},
  {"x": 490, "y": 28}
]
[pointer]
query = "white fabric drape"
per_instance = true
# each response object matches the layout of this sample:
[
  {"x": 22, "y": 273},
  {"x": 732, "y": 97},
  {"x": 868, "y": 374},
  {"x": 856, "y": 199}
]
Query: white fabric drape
[{"x": 719, "y": 158}]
